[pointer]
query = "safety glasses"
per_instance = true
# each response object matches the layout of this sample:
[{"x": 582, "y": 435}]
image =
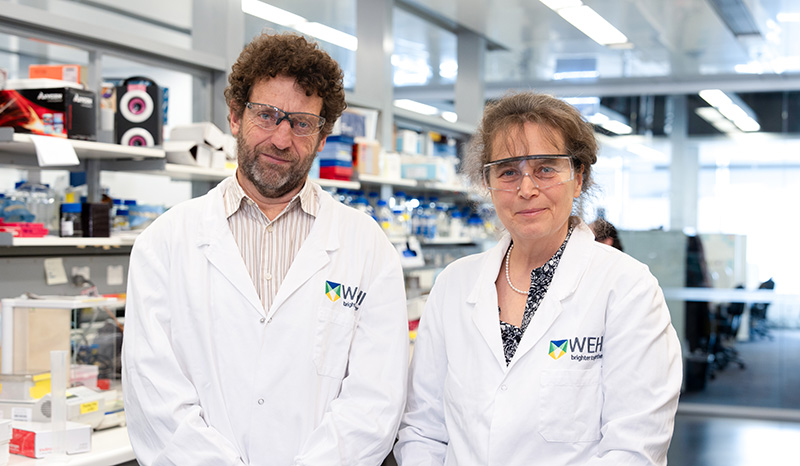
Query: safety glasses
[
  {"x": 545, "y": 171},
  {"x": 268, "y": 117}
]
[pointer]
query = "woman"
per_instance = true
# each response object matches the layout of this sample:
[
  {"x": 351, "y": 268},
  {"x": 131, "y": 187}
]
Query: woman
[
  {"x": 549, "y": 348},
  {"x": 606, "y": 233}
]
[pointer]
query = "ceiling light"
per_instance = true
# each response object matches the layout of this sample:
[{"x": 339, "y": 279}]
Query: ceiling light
[
  {"x": 576, "y": 75},
  {"x": 713, "y": 117},
  {"x": 647, "y": 153},
  {"x": 558, "y": 4},
  {"x": 271, "y": 13},
  {"x": 617, "y": 127},
  {"x": 452, "y": 117},
  {"x": 788, "y": 17},
  {"x": 732, "y": 108},
  {"x": 587, "y": 21},
  {"x": 415, "y": 106},
  {"x": 298, "y": 23},
  {"x": 329, "y": 34},
  {"x": 608, "y": 123},
  {"x": 715, "y": 97},
  {"x": 750, "y": 68},
  {"x": 737, "y": 16}
]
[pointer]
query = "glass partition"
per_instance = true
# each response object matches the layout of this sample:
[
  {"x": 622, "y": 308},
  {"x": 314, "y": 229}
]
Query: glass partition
[{"x": 731, "y": 282}]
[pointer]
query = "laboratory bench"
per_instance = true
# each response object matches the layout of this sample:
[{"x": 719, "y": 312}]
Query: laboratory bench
[{"x": 110, "y": 447}]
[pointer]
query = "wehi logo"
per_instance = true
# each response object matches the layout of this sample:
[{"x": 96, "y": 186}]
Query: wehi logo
[
  {"x": 350, "y": 296},
  {"x": 333, "y": 291},
  {"x": 581, "y": 348},
  {"x": 558, "y": 348}
]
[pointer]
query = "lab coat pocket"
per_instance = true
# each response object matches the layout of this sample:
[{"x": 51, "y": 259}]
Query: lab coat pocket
[
  {"x": 571, "y": 404},
  {"x": 334, "y": 333}
]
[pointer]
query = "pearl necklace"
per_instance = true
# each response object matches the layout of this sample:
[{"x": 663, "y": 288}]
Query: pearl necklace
[{"x": 508, "y": 278}]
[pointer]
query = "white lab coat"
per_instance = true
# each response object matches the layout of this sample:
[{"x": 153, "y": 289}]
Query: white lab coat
[
  {"x": 210, "y": 378},
  {"x": 608, "y": 401}
]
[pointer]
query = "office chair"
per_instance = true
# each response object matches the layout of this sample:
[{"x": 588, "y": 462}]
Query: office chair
[
  {"x": 726, "y": 325},
  {"x": 758, "y": 315}
]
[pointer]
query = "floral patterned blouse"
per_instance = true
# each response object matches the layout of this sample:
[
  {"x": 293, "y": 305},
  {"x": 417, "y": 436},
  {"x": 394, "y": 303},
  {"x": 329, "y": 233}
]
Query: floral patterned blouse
[{"x": 540, "y": 281}]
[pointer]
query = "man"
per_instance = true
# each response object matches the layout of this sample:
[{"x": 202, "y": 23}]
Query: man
[{"x": 266, "y": 322}]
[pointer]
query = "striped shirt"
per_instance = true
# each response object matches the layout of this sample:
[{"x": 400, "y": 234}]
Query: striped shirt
[{"x": 269, "y": 247}]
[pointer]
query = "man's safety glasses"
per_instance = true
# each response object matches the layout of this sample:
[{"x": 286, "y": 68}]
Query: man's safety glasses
[
  {"x": 269, "y": 117},
  {"x": 545, "y": 171}
]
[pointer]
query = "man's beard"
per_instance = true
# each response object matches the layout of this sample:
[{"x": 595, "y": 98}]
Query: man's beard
[{"x": 272, "y": 181}]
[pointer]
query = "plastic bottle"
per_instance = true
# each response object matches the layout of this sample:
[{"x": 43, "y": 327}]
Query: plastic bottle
[
  {"x": 385, "y": 217},
  {"x": 399, "y": 200},
  {"x": 40, "y": 201},
  {"x": 400, "y": 224},
  {"x": 475, "y": 228},
  {"x": 360, "y": 203},
  {"x": 418, "y": 223},
  {"x": 442, "y": 222},
  {"x": 70, "y": 220},
  {"x": 122, "y": 221},
  {"x": 457, "y": 225},
  {"x": 373, "y": 198},
  {"x": 116, "y": 204}
]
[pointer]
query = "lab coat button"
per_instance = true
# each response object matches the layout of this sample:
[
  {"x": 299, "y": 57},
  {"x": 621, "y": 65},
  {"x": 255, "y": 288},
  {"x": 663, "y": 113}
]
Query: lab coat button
[
  {"x": 503, "y": 387},
  {"x": 261, "y": 401},
  {"x": 263, "y": 319}
]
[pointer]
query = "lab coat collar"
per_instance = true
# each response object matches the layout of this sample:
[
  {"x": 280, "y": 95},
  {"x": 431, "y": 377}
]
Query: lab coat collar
[
  {"x": 484, "y": 297},
  {"x": 570, "y": 270},
  {"x": 315, "y": 252},
  {"x": 222, "y": 252},
  {"x": 219, "y": 246}
]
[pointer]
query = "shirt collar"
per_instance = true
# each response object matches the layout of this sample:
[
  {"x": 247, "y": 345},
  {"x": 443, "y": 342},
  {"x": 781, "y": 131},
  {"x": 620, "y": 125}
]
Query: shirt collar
[{"x": 234, "y": 198}]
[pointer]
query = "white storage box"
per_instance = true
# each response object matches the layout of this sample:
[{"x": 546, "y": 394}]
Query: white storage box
[
  {"x": 35, "y": 439},
  {"x": 5, "y": 438},
  {"x": 188, "y": 153},
  {"x": 200, "y": 133}
]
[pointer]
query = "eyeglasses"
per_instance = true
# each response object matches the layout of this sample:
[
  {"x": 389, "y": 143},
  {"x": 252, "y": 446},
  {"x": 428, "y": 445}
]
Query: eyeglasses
[
  {"x": 269, "y": 117},
  {"x": 545, "y": 171}
]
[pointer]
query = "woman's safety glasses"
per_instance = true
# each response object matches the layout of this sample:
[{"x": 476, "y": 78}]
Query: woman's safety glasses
[
  {"x": 545, "y": 171},
  {"x": 269, "y": 117}
]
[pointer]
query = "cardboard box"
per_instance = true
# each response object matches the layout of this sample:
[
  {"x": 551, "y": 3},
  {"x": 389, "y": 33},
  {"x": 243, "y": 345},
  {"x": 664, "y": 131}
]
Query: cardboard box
[
  {"x": 367, "y": 157},
  {"x": 391, "y": 165},
  {"x": 5, "y": 430},
  {"x": 71, "y": 73},
  {"x": 219, "y": 160},
  {"x": 200, "y": 133},
  {"x": 336, "y": 173},
  {"x": 62, "y": 112},
  {"x": 189, "y": 153},
  {"x": 35, "y": 439}
]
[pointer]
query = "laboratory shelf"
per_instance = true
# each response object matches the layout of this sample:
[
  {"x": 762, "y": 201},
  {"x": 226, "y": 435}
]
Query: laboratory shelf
[
  {"x": 448, "y": 241},
  {"x": 379, "y": 180},
  {"x": 46, "y": 241},
  {"x": 447, "y": 188},
  {"x": 339, "y": 184},
  {"x": 193, "y": 173},
  {"x": 19, "y": 149}
]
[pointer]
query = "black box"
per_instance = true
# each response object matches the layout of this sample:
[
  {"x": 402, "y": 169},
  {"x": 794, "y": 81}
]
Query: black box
[
  {"x": 63, "y": 112},
  {"x": 96, "y": 220}
]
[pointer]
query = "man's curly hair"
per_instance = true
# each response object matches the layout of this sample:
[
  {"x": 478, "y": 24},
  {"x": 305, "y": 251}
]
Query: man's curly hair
[{"x": 270, "y": 55}]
